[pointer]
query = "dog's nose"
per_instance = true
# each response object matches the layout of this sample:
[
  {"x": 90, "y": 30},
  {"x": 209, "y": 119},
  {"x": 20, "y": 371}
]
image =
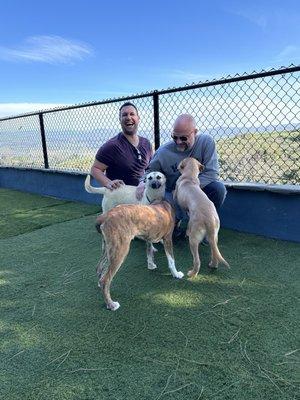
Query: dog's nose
[{"x": 155, "y": 185}]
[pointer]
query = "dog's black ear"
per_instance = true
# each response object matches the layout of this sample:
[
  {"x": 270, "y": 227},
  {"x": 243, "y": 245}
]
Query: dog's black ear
[
  {"x": 201, "y": 167},
  {"x": 181, "y": 165},
  {"x": 98, "y": 227}
]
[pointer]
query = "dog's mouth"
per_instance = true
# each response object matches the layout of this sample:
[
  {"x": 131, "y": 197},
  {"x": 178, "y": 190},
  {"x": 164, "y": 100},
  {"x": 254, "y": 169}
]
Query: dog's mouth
[{"x": 155, "y": 185}]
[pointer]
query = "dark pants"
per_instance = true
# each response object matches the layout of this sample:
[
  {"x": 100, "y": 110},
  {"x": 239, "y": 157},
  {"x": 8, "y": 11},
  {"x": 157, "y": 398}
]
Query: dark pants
[{"x": 215, "y": 191}]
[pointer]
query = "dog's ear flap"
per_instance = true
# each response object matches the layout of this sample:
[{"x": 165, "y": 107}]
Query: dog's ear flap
[
  {"x": 201, "y": 167},
  {"x": 181, "y": 165}
]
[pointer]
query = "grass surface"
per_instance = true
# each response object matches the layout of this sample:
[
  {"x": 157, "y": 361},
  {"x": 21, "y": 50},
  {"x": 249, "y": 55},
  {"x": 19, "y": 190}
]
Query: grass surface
[
  {"x": 21, "y": 213},
  {"x": 231, "y": 334}
]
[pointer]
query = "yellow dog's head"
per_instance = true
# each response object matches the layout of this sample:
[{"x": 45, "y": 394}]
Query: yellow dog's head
[{"x": 190, "y": 166}]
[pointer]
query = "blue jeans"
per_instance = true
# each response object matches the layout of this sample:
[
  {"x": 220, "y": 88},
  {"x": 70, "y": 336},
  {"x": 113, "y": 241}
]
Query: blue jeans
[{"x": 215, "y": 191}]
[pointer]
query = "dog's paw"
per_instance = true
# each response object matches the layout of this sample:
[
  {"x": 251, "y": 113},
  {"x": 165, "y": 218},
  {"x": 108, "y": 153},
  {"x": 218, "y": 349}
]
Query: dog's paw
[
  {"x": 213, "y": 265},
  {"x": 152, "y": 266},
  {"x": 179, "y": 275},
  {"x": 113, "y": 306},
  {"x": 192, "y": 274}
]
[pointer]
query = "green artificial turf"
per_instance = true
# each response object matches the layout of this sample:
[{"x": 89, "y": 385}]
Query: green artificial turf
[
  {"x": 230, "y": 334},
  {"x": 25, "y": 212}
]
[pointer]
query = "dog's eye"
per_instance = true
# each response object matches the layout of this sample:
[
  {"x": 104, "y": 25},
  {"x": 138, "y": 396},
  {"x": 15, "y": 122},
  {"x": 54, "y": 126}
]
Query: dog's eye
[
  {"x": 158, "y": 177},
  {"x": 150, "y": 178}
]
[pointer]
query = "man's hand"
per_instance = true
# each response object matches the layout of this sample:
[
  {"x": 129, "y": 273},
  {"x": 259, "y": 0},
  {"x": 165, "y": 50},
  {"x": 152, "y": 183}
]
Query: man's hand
[
  {"x": 115, "y": 184},
  {"x": 140, "y": 191}
]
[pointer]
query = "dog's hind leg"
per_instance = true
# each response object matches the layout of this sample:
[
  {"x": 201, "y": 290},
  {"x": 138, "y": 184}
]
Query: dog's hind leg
[
  {"x": 168, "y": 246},
  {"x": 117, "y": 252},
  {"x": 195, "y": 237},
  {"x": 150, "y": 255},
  {"x": 194, "y": 247}
]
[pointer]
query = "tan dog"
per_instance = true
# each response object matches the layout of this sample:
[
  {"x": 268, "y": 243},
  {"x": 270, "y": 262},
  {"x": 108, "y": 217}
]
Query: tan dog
[
  {"x": 119, "y": 226},
  {"x": 155, "y": 185},
  {"x": 203, "y": 217}
]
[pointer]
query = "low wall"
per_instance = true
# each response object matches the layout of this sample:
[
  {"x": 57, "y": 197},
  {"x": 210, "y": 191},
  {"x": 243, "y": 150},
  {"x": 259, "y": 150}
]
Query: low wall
[
  {"x": 269, "y": 210},
  {"x": 63, "y": 185}
]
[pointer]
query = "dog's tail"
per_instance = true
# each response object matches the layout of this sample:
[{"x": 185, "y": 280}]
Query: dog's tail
[
  {"x": 220, "y": 258},
  {"x": 223, "y": 261},
  {"x": 99, "y": 221},
  {"x": 103, "y": 262},
  {"x": 91, "y": 189},
  {"x": 217, "y": 256}
]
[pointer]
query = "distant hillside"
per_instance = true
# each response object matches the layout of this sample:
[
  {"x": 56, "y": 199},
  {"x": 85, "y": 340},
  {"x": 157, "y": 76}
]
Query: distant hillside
[{"x": 272, "y": 158}]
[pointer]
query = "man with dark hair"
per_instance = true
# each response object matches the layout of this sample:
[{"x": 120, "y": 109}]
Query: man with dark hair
[{"x": 124, "y": 158}]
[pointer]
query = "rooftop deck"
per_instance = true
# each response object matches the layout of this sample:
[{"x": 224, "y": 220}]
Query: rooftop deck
[{"x": 227, "y": 334}]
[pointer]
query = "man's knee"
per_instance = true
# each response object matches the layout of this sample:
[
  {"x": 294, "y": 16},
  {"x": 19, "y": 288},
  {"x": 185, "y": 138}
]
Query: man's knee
[
  {"x": 169, "y": 198},
  {"x": 216, "y": 192}
]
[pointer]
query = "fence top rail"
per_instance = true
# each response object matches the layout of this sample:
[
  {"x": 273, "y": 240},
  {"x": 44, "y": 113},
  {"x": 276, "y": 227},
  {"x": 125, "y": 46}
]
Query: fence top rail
[{"x": 214, "y": 82}]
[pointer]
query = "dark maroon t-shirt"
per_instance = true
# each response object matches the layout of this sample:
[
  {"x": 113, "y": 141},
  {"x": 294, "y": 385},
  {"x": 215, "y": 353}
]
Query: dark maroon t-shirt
[{"x": 124, "y": 161}]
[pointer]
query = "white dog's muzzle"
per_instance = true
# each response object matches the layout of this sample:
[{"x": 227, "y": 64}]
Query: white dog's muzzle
[{"x": 155, "y": 185}]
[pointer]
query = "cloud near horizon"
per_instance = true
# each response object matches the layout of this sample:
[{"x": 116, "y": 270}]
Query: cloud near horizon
[{"x": 47, "y": 49}]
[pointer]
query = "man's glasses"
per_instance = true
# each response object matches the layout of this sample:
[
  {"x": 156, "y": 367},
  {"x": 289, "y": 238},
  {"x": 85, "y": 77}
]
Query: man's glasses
[{"x": 181, "y": 138}]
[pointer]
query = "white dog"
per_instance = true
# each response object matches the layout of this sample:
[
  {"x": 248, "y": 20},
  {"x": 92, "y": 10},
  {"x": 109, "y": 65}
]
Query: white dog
[{"x": 155, "y": 185}]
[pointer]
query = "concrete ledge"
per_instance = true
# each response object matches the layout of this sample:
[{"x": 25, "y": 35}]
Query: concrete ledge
[
  {"x": 60, "y": 184},
  {"x": 267, "y": 210},
  {"x": 285, "y": 189},
  {"x": 272, "y": 214}
]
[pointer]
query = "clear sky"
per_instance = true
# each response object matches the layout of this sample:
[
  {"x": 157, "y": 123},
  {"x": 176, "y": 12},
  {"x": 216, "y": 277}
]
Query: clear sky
[{"x": 66, "y": 52}]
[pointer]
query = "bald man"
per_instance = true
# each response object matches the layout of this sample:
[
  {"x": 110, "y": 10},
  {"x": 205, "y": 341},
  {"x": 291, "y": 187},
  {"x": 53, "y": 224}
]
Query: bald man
[{"x": 187, "y": 143}]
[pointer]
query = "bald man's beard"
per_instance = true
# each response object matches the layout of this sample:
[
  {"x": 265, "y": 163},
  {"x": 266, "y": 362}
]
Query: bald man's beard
[{"x": 182, "y": 147}]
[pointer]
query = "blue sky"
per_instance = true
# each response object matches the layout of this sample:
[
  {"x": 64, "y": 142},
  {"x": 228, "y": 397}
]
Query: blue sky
[{"x": 63, "y": 52}]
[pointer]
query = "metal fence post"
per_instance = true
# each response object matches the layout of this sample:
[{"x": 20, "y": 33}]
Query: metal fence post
[
  {"x": 44, "y": 144},
  {"x": 156, "y": 119}
]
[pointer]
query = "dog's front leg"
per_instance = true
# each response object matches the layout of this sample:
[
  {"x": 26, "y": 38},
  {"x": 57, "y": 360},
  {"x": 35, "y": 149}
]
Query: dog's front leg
[
  {"x": 168, "y": 246},
  {"x": 150, "y": 256}
]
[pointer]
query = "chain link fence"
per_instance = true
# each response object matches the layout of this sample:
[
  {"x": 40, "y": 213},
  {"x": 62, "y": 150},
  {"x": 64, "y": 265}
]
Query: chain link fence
[{"x": 254, "y": 119}]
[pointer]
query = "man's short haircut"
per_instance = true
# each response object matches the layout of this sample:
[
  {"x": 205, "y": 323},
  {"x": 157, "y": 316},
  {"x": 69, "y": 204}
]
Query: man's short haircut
[{"x": 128, "y": 103}]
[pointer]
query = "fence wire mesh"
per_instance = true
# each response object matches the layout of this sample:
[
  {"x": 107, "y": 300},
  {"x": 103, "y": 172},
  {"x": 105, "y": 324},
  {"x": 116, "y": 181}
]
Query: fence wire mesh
[
  {"x": 74, "y": 136},
  {"x": 254, "y": 119},
  {"x": 20, "y": 142}
]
